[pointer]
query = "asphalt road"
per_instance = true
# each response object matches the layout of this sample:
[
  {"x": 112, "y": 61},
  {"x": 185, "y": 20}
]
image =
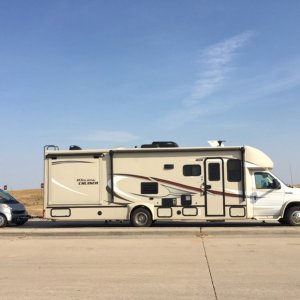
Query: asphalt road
[{"x": 86, "y": 260}]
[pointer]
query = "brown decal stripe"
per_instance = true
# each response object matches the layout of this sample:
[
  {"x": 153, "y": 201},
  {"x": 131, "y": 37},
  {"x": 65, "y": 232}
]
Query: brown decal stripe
[
  {"x": 195, "y": 189},
  {"x": 199, "y": 190},
  {"x": 226, "y": 194},
  {"x": 136, "y": 176},
  {"x": 178, "y": 184}
]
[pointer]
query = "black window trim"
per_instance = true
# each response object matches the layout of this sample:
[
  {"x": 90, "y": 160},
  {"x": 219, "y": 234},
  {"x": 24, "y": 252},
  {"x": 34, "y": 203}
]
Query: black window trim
[
  {"x": 190, "y": 172},
  {"x": 229, "y": 179},
  {"x": 219, "y": 170},
  {"x": 149, "y": 188}
]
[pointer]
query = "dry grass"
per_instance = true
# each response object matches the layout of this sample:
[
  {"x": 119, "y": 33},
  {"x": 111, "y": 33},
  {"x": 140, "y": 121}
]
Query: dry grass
[{"x": 32, "y": 199}]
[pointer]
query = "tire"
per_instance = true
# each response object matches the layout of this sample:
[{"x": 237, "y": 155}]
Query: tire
[
  {"x": 141, "y": 217},
  {"x": 282, "y": 221},
  {"x": 293, "y": 216},
  {"x": 21, "y": 222},
  {"x": 3, "y": 221}
]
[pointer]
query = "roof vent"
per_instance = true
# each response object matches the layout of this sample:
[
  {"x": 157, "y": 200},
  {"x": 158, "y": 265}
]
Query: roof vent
[
  {"x": 74, "y": 147},
  {"x": 160, "y": 145}
]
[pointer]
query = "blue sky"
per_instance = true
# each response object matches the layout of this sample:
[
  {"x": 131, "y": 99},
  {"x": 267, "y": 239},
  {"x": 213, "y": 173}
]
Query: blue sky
[{"x": 122, "y": 73}]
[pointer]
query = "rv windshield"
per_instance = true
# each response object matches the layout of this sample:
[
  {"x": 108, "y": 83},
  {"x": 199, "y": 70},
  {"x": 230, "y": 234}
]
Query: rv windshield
[{"x": 7, "y": 198}]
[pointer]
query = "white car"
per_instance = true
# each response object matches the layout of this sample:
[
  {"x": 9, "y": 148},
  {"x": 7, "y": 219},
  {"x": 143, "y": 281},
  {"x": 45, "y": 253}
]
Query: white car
[{"x": 11, "y": 211}]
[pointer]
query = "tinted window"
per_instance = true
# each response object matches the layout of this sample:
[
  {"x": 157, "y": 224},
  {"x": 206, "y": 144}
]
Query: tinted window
[
  {"x": 264, "y": 181},
  {"x": 7, "y": 198},
  {"x": 234, "y": 170},
  {"x": 213, "y": 172},
  {"x": 149, "y": 188},
  {"x": 191, "y": 170}
]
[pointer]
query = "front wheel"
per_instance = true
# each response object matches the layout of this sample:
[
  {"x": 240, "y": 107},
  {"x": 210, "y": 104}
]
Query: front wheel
[
  {"x": 141, "y": 217},
  {"x": 293, "y": 216},
  {"x": 282, "y": 221},
  {"x": 3, "y": 221}
]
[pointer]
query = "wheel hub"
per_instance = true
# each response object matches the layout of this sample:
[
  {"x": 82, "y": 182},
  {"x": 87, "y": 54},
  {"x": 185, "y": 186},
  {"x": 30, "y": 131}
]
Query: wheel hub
[
  {"x": 296, "y": 217},
  {"x": 1, "y": 221},
  {"x": 141, "y": 218}
]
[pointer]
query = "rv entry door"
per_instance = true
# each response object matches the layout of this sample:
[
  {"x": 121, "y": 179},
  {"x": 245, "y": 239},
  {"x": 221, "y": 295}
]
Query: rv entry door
[{"x": 214, "y": 189}]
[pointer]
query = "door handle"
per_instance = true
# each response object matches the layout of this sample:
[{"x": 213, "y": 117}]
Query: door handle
[{"x": 207, "y": 186}]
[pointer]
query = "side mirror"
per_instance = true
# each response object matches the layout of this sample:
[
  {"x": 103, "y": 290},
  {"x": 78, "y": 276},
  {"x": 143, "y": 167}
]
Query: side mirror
[{"x": 276, "y": 184}]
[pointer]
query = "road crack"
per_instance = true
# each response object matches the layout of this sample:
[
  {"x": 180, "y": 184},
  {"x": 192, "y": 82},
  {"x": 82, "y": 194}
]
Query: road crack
[{"x": 208, "y": 266}]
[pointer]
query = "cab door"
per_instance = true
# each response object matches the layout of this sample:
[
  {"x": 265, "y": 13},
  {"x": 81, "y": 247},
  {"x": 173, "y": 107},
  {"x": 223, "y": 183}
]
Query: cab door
[
  {"x": 214, "y": 188},
  {"x": 268, "y": 194}
]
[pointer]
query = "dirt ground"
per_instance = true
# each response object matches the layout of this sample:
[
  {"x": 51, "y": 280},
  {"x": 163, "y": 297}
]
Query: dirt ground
[{"x": 32, "y": 199}]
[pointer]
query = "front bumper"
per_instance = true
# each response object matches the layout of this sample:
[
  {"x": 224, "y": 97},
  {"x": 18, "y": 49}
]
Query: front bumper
[{"x": 18, "y": 216}]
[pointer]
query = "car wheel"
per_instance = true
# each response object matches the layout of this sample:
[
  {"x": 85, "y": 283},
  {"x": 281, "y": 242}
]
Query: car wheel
[
  {"x": 293, "y": 216},
  {"x": 141, "y": 217},
  {"x": 282, "y": 221},
  {"x": 3, "y": 221}
]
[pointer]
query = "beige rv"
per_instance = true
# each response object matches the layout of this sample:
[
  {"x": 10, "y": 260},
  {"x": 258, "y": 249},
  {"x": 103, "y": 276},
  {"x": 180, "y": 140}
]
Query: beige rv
[{"x": 161, "y": 181}]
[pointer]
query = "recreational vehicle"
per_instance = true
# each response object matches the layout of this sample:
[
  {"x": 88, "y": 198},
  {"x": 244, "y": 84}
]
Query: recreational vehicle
[{"x": 161, "y": 181}]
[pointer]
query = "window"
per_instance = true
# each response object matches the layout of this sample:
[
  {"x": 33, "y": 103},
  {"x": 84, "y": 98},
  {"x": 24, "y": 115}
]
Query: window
[
  {"x": 168, "y": 167},
  {"x": 149, "y": 188},
  {"x": 213, "y": 172},
  {"x": 6, "y": 198},
  {"x": 191, "y": 170},
  {"x": 265, "y": 181},
  {"x": 234, "y": 170}
]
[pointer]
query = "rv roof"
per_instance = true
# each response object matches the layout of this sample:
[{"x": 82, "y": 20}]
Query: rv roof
[
  {"x": 254, "y": 158},
  {"x": 135, "y": 150}
]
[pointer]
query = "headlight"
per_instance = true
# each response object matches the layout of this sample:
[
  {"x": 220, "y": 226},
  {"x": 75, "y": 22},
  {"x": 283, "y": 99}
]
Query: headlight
[{"x": 5, "y": 206}]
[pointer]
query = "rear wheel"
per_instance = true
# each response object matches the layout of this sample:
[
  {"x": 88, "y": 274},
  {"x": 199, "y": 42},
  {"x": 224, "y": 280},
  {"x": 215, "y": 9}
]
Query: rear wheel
[
  {"x": 293, "y": 216},
  {"x": 141, "y": 217},
  {"x": 3, "y": 221}
]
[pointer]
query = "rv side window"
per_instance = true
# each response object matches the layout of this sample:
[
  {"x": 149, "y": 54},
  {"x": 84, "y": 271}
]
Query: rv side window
[
  {"x": 149, "y": 188},
  {"x": 213, "y": 172},
  {"x": 191, "y": 170},
  {"x": 234, "y": 170}
]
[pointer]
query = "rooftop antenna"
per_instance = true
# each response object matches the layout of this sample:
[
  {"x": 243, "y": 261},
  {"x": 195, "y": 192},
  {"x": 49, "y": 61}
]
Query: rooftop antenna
[{"x": 220, "y": 142}]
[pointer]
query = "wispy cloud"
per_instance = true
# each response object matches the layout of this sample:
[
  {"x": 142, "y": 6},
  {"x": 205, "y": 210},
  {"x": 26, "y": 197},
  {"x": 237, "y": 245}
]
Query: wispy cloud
[
  {"x": 216, "y": 63},
  {"x": 110, "y": 136},
  {"x": 280, "y": 78},
  {"x": 216, "y": 66}
]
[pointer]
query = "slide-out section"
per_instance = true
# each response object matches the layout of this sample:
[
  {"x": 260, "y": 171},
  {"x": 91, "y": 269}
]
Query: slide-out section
[{"x": 73, "y": 181}]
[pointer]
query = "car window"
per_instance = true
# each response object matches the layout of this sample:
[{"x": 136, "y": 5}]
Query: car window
[
  {"x": 264, "y": 180},
  {"x": 7, "y": 198}
]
